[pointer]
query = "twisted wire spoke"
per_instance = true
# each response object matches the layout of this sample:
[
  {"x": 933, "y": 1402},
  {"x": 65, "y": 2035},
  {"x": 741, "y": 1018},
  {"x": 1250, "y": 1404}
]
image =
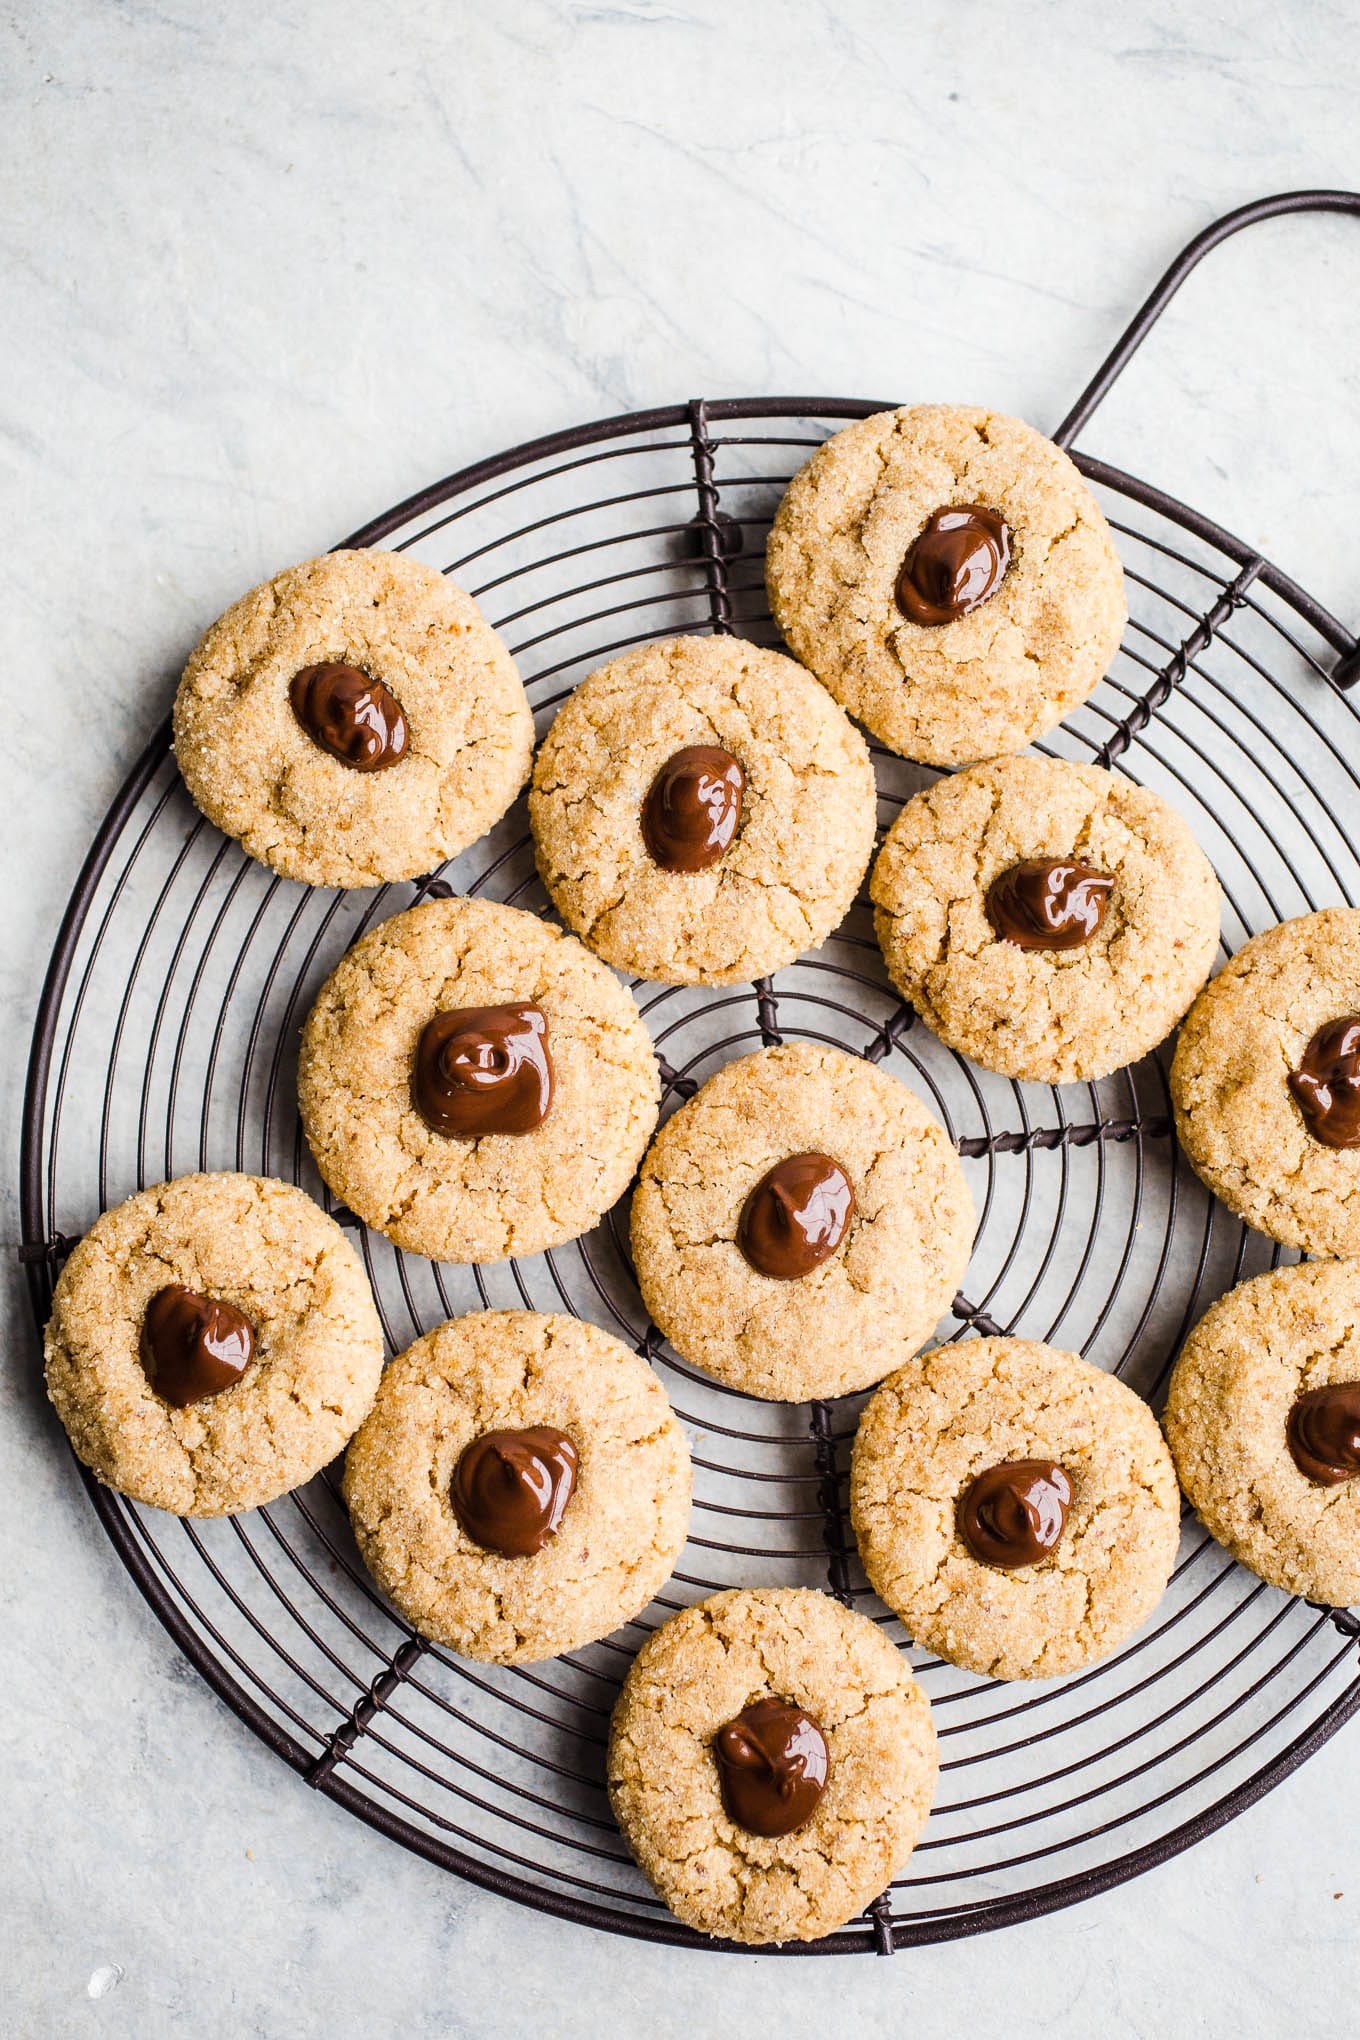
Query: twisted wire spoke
[{"x": 500, "y": 1771}]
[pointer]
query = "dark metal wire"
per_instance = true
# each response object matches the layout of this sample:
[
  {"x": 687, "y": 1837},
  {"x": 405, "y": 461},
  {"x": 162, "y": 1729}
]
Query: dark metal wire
[{"x": 176, "y": 956}]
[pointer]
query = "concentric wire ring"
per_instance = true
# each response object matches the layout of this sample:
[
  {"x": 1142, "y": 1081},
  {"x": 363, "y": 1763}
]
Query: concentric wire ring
[{"x": 170, "y": 1018}]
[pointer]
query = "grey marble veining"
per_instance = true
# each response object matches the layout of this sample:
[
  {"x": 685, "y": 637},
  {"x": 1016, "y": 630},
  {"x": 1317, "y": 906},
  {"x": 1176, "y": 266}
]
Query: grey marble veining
[{"x": 267, "y": 271}]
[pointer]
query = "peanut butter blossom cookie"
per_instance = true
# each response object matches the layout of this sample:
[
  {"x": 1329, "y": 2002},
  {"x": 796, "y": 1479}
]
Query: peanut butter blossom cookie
[
  {"x": 354, "y": 720},
  {"x": 1263, "y": 1421},
  {"x": 1266, "y": 1082},
  {"x": 1016, "y": 1506},
  {"x": 801, "y": 1225},
  {"x": 1051, "y": 921},
  {"x": 703, "y": 812},
  {"x": 474, "y": 1083},
  {"x": 213, "y": 1343},
  {"x": 771, "y": 1764},
  {"x": 949, "y": 576},
  {"x": 521, "y": 1487}
]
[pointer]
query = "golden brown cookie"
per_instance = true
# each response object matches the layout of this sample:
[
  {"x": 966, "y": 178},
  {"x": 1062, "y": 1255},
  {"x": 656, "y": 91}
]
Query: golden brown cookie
[
  {"x": 1037, "y": 572},
  {"x": 354, "y": 720},
  {"x": 749, "y": 850},
  {"x": 985, "y": 874},
  {"x": 1260, "y": 1138},
  {"x": 877, "y": 1764},
  {"x": 1263, "y": 1421},
  {"x": 530, "y": 1583},
  {"x": 1065, "y": 1577},
  {"x": 898, "y": 1207},
  {"x": 580, "y": 1094},
  {"x": 256, "y": 1413}
]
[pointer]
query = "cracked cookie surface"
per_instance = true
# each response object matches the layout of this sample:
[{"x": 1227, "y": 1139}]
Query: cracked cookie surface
[
  {"x": 695, "y": 1674},
  {"x": 889, "y": 1281},
  {"x": 1235, "y": 1115},
  {"x": 263, "y": 1247},
  {"x": 623, "y": 1526},
  {"x": 1051, "y": 1016},
  {"x": 807, "y": 816},
  {"x": 990, "y": 681},
  {"x": 505, "y": 1193},
  {"x": 952, "y": 1414},
  {"x": 254, "y": 771},
  {"x": 1252, "y": 1354}
]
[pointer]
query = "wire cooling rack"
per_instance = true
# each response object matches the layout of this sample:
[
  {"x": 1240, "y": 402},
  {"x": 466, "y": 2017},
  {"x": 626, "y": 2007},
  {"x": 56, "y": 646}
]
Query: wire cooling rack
[{"x": 166, "y": 1041}]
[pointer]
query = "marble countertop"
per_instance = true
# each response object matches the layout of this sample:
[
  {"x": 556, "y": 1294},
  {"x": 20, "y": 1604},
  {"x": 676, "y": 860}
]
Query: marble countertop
[{"x": 268, "y": 271}]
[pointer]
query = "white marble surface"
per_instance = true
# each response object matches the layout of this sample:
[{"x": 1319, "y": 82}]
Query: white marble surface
[{"x": 269, "y": 269}]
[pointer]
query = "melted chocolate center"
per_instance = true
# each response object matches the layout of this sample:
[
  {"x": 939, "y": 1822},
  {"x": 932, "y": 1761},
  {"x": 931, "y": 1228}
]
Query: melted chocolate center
[
  {"x": 692, "y": 809},
  {"x": 958, "y": 561},
  {"x": 484, "y": 1069},
  {"x": 1326, "y": 1084},
  {"x": 351, "y": 715},
  {"x": 1323, "y": 1433},
  {"x": 511, "y": 1488},
  {"x": 772, "y": 1766},
  {"x": 1044, "y": 904},
  {"x": 796, "y": 1216},
  {"x": 194, "y": 1346},
  {"x": 1014, "y": 1514}
]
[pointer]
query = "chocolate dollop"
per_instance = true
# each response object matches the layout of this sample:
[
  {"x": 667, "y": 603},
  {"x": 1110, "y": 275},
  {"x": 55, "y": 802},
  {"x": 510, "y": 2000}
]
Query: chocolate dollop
[
  {"x": 958, "y": 561},
  {"x": 193, "y": 1346},
  {"x": 350, "y": 714},
  {"x": 796, "y": 1216},
  {"x": 484, "y": 1069},
  {"x": 772, "y": 1766},
  {"x": 1043, "y": 903},
  {"x": 511, "y": 1488},
  {"x": 1014, "y": 1514},
  {"x": 693, "y": 807},
  {"x": 1323, "y": 1433},
  {"x": 1326, "y": 1084}
]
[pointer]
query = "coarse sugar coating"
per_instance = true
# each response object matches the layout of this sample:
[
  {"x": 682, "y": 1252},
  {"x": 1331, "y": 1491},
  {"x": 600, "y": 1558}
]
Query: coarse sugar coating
[
  {"x": 266, "y": 1249},
  {"x": 807, "y": 811},
  {"x": 990, "y": 681},
  {"x": 696, "y": 1674},
  {"x": 624, "y": 1523},
  {"x": 1051, "y": 1016},
  {"x": 257, "y": 774}
]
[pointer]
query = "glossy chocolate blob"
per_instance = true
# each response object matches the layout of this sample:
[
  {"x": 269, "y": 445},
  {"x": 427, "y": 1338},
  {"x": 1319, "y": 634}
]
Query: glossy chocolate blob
[
  {"x": 351, "y": 715},
  {"x": 796, "y": 1216},
  {"x": 1323, "y": 1433},
  {"x": 193, "y": 1346},
  {"x": 1326, "y": 1084},
  {"x": 484, "y": 1069},
  {"x": 1015, "y": 1514},
  {"x": 511, "y": 1488},
  {"x": 958, "y": 561},
  {"x": 772, "y": 1763},
  {"x": 1041, "y": 903},
  {"x": 693, "y": 807}
]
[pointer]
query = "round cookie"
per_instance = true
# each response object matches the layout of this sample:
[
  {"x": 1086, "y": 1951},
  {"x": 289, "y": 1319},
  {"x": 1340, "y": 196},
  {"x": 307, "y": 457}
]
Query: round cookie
[
  {"x": 1051, "y": 1015},
  {"x": 1240, "y": 1374},
  {"x": 955, "y": 1414},
  {"x": 474, "y": 1198},
  {"x": 791, "y": 866},
  {"x": 693, "y": 1677},
  {"x": 444, "y": 708},
  {"x": 1237, "y": 1115},
  {"x": 882, "y": 1289},
  {"x": 618, "y": 1535},
  {"x": 1004, "y": 669},
  {"x": 257, "y": 1247}
]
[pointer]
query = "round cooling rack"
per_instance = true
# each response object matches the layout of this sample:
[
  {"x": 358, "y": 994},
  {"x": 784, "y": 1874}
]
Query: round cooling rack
[{"x": 166, "y": 1040}]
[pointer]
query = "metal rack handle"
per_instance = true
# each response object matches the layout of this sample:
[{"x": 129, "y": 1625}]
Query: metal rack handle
[{"x": 1347, "y": 669}]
